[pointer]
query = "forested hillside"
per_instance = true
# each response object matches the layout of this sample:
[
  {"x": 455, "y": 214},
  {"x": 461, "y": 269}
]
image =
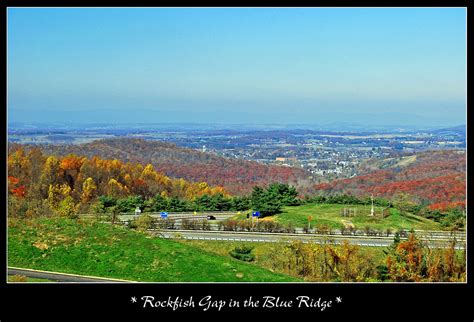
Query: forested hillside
[
  {"x": 434, "y": 178},
  {"x": 236, "y": 176},
  {"x": 39, "y": 184}
]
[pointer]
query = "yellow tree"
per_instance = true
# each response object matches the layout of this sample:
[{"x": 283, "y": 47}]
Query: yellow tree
[
  {"x": 116, "y": 189},
  {"x": 57, "y": 193},
  {"x": 49, "y": 175},
  {"x": 89, "y": 190},
  {"x": 19, "y": 164}
]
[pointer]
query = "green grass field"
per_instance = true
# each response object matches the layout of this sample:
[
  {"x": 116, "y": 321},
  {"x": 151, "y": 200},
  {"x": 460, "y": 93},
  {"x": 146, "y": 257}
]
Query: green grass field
[
  {"x": 96, "y": 249},
  {"x": 329, "y": 214}
]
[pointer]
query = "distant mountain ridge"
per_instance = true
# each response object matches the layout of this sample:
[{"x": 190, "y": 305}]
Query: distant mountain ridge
[{"x": 460, "y": 130}]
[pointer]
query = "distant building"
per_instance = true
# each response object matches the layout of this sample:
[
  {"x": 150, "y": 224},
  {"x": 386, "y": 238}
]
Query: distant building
[{"x": 289, "y": 159}]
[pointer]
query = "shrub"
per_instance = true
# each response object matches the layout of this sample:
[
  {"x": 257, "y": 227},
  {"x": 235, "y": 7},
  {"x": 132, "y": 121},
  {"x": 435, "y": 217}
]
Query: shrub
[
  {"x": 229, "y": 225},
  {"x": 290, "y": 229},
  {"x": 322, "y": 229},
  {"x": 243, "y": 253},
  {"x": 189, "y": 224},
  {"x": 244, "y": 225},
  {"x": 204, "y": 224},
  {"x": 67, "y": 208},
  {"x": 165, "y": 223},
  {"x": 143, "y": 222}
]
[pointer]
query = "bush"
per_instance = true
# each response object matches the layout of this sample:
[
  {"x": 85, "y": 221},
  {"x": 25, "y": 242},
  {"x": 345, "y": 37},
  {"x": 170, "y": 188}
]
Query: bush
[
  {"x": 143, "y": 222},
  {"x": 269, "y": 227},
  {"x": 67, "y": 208},
  {"x": 323, "y": 229},
  {"x": 189, "y": 224},
  {"x": 165, "y": 223},
  {"x": 204, "y": 224},
  {"x": 229, "y": 225},
  {"x": 290, "y": 229},
  {"x": 243, "y": 253},
  {"x": 244, "y": 225}
]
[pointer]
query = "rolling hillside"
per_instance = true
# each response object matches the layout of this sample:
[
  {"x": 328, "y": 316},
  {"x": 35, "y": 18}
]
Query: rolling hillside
[
  {"x": 91, "y": 248},
  {"x": 236, "y": 176},
  {"x": 437, "y": 178}
]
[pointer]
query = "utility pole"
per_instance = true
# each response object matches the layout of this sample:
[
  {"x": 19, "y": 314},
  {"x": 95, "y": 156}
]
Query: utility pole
[{"x": 372, "y": 208}]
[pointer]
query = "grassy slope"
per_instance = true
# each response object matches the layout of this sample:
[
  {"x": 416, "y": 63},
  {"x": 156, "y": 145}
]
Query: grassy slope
[
  {"x": 328, "y": 214},
  {"x": 262, "y": 250},
  {"x": 90, "y": 248}
]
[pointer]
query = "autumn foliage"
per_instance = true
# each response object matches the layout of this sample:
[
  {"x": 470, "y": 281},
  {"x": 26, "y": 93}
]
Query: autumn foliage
[
  {"x": 436, "y": 178},
  {"x": 15, "y": 188},
  {"x": 65, "y": 184},
  {"x": 413, "y": 261},
  {"x": 236, "y": 176}
]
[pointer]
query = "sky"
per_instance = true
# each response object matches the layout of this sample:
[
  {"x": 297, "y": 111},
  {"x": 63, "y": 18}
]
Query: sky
[{"x": 383, "y": 66}]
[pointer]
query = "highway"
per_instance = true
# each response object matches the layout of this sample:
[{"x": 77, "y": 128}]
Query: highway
[
  {"x": 435, "y": 238},
  {"x": 219, "y": 215},
  {"x": 276, "y": 237},
  {"x": 62, "y": 277}
]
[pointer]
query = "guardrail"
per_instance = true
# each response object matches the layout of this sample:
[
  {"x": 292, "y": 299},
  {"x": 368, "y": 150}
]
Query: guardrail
[
  {"x": 228, "y": 232},
  {"x": 275, "y": 237}
]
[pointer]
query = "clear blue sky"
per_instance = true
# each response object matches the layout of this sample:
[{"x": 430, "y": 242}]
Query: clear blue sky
[{"x": 300, "y": 65}]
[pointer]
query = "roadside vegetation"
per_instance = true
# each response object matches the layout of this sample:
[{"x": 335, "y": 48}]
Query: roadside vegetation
[{"x": 404, "y": 261}]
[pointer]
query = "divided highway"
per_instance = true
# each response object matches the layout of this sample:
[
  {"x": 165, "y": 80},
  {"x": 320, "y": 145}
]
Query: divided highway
[
  {"x": 434, "y": 239},
  {"x": 276, "y": 237}
]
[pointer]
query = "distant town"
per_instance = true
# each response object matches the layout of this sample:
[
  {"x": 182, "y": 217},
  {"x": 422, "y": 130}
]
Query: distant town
[{"x": 327, "y": 155}]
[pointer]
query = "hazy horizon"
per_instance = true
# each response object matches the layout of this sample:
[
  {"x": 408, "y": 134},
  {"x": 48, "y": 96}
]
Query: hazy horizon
[{"x": 364, "y": 66}]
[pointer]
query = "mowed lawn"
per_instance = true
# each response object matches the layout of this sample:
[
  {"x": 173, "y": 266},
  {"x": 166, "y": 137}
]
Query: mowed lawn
[
  {"x": 87, "y": 247},
  {"x": 329, "y": 214}
]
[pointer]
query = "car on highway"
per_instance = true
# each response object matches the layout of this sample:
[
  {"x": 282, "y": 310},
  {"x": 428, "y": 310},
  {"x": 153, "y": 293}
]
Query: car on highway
[{"x": 210, "y": 217}]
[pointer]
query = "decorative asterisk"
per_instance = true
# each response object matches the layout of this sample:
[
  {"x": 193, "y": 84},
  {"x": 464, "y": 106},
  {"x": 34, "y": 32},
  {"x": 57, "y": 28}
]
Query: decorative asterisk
[
  {"x": 134, "y": 299},
  {"x": 338, "y": 299}
]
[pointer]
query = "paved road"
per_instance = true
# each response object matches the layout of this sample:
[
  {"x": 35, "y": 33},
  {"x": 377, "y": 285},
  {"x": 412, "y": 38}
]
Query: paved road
[
  {"x": 272, "y": 237},
  {"x": 62, "y": 277},
  {"x": 222, "y": 215}
]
